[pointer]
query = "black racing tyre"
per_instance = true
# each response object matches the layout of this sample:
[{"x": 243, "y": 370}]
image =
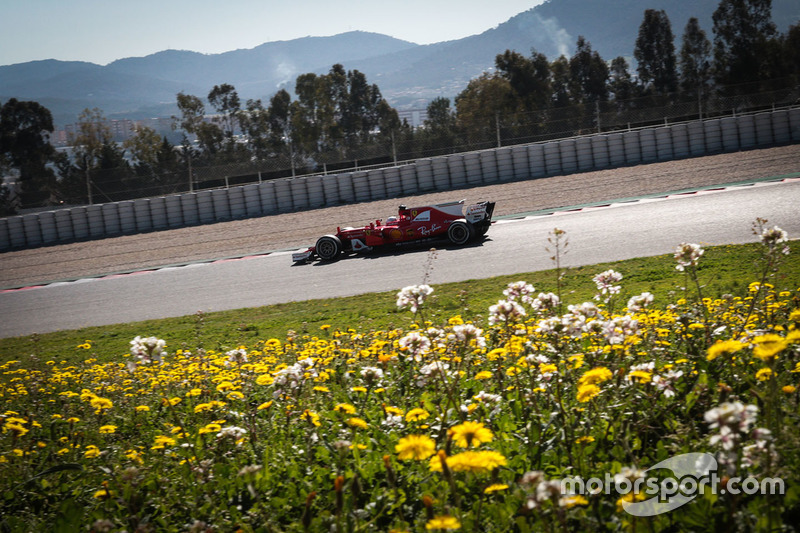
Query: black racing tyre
[
  {"x": 459, "y": 232},
  {"x": 328, "y": 247}
]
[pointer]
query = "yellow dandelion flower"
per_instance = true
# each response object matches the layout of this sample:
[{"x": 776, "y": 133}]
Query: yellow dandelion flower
[
  {"x": 265, "y": 405},
  {"x": 101, "y": 403},
  {"x": 587, "y": 392},
  {"x": 470, "y": 434},
  {"x": 723, "y": 347},
  {"x": 788, "y": 389},
  {"x": 103, "y": 494},
  {"x": 418, "y": 447},
  {"x": 477, "y": 462},
  {"x": 569, "y": 502},
  {"x": 640, "y": 376},
  {"x": 767, "y": 347},
  {"x": 235, "y": 395},
  {"x": 595, "y": 376},
  {"x": 586, "y": 439},
  {"x": 443, "y": 522},
  {"x": 320, "y": 388},
  {"x": 311, "y": 416},
  {"x": 345, "y": 408},
  {"x": 357, "y": 423},
  {"x": 764, "y": 374},
  {"x": 108, "y": 429},
  {"x": 91, "y": 452},
  {"x": 142, "y": 408},
  {"x": 495, "y": 487},
  {"x": 417, "y": 414},
  {"x": 483, "y": 374}
]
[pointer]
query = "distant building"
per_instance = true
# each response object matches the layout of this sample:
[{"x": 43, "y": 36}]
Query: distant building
[{"x": 414, "y": 117}]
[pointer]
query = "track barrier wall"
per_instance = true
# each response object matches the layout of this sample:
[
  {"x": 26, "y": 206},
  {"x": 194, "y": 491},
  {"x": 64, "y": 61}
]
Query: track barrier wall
[{"x": 444, "y": 173}]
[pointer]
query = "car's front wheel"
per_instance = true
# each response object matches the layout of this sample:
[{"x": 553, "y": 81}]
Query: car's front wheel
[
  {"x": 459, "y": 232},
  {"x": 328, "y": 247}
]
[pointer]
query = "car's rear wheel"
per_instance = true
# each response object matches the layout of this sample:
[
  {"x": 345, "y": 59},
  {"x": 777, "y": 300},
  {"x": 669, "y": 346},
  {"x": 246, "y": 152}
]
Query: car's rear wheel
[
  {"x": 459, "y": 232},
  {"x": 328, "y": 247}
]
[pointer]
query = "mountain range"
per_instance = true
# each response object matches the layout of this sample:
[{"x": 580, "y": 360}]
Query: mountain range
[{"x": 409, "y": 75}]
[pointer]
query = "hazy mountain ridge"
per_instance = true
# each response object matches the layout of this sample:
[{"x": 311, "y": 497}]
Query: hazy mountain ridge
[{"x": 407, "y": 73}]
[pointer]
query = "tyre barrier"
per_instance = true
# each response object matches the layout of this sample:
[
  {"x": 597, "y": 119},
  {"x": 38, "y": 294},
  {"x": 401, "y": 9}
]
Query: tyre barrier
[
  {"x": 697, "y": 138},
  {"x": 536, "y": 161},
  {"x": 616, "y": 150},
  {"x": 488, "y": 166},
  {"x": 424, "y": 176},
  {"x": 408, "y": 180},
  {"x": 583, "y": 150},
  {"x": 472, "y": 165},
  {"x": 552, "y": 159},
  {"x": 680, "y": 141},
  {"x": 664, "y": 148},
  {"x": 600, "y": 155},
  {"x": 458, "y": 172},
  {"x": 32, "y": 231},
  {"x": 235, "y": 201},
  {"x": 394, "y": 187},
  {"x": 443, "y": 173},
  {"x": 127, "y": 217}
]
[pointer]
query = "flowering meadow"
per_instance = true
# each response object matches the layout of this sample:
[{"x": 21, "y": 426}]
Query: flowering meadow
[{"x": 457, "y": 425}]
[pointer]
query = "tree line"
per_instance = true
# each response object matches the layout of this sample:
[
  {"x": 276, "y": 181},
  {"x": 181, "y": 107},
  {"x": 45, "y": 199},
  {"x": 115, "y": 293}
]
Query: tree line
[{"x": 340, "y": 116}]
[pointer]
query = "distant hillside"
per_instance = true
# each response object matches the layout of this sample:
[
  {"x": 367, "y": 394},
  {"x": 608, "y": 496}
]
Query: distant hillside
[{"x": 409, "y": 75}]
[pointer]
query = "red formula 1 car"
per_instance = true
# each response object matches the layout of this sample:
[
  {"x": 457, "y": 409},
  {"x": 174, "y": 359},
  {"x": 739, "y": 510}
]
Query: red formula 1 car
[{"x": 451, "y": 220}]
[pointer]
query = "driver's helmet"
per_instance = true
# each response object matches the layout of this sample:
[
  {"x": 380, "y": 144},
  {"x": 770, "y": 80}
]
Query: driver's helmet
[{"x": 391, "y": 220}]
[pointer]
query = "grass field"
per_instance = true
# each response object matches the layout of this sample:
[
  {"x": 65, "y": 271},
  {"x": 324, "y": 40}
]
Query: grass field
[{"x": 472, "y": 412}]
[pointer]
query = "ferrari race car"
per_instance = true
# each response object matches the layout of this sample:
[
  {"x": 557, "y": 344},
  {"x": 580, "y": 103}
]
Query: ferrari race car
[{"x": 451, "y": 220}]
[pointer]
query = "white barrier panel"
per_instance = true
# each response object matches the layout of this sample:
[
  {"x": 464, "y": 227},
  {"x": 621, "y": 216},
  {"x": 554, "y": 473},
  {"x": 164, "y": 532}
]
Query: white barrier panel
[
  {"x": 346, "y": 193},
  {"x": 64, "y": 227},
  {"x": 764, "y": 135},
  {"x": 583, "y": 150},
  {"x": 458, "y": 172},
  {"x": 552, "y": 158},
  {"x": 697, "y": 138},
  {"x": 633, "y": 149},
  {"x": 424, "y": 175},
  {"x": 236, "y": 202},
  {"x": 80, "y": 223},
  {"x": 647, "y": 141},
  {"x": 616, "y": 149},
  {"x": 361, "y": 186},
  {"x": 730, "y": 134},
  {"x": 269, "y": 202},
  {"x": 141, "y": 214},
  {"x": 205, "y": 207},
  {"x": 158, "y": 212},
  {"x": 713, "y": 134},
  {"x": 283, "y": 195},
  {"x": 376, "y": 184},
  {"x": 222, "y": 205},
  {"x": 408, "y": 179},
  {"x": 536, "y": 162},
  {"x": 175, "y": 217},
  {"x": 16, "y": 232},
  {"x": 252, "y": 200},
  {"x": 441, "y": 174},
  {"x": 5, "y": 238},
  {"x": 600, "y": 151},
  {"x": 391, "y": 179},
  {"x": 664, "y": 148},
  {"x": 330, "y": 187},
  {"x": 111, "y": 219},
  {"x": 569, "y": 156},
  {"x": 299, "y": 190},
  {"x": 680, "y": 141},
  {"x": 472, "y": 165},
  {"x": 127, "y": 218},
  {"x": 33, "y": 230},
  {"x": 96, "y": 226},
  {"x": 189, "y": 210},
  {"x": 519, "y": 160},
  {"x": 747, "y": 131},
  {"x": 794, "y": 123},
  {"x": 488, "y": 166}
]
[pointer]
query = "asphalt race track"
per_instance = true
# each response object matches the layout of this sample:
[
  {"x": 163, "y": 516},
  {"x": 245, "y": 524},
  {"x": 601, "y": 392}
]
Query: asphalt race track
[{"x": 513, "y": 245}]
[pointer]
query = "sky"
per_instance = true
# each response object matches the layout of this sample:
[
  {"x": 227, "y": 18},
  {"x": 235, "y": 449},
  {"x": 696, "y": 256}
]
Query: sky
[{"x": 101, "y": 31}]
